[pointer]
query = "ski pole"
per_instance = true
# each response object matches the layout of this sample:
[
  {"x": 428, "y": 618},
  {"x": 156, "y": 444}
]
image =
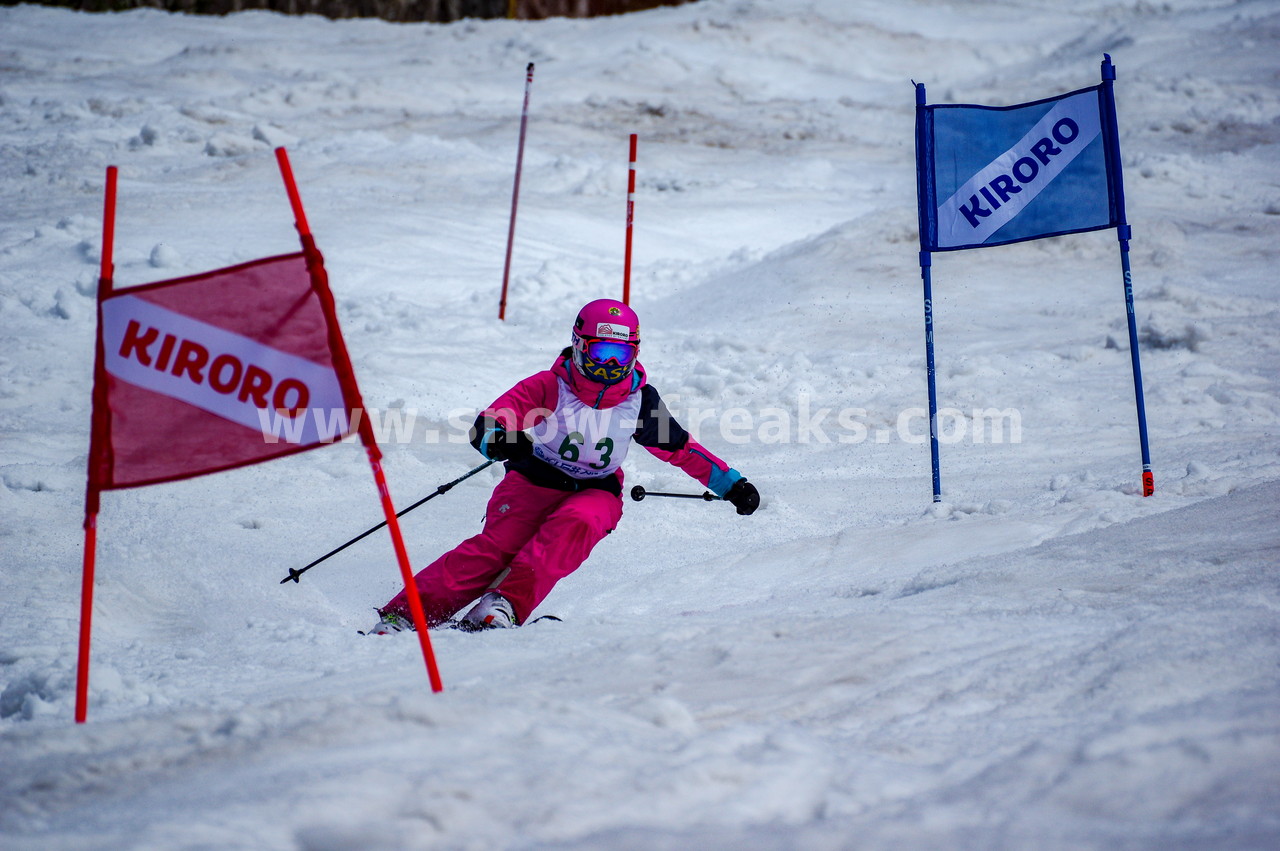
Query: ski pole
[
  {"x": 445, "y": 488},
  {"x": 638, "y": 493}
]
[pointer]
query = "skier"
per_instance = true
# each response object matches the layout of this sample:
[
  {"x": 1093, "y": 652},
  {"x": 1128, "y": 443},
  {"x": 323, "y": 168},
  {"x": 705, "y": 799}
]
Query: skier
[{"x": 563, "y": 489}]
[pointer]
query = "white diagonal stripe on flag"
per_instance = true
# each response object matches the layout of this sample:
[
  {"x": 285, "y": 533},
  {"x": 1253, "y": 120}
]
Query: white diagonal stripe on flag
[
  {"x": 219, "y": 371},
  {"x": 978, "y": 208}
]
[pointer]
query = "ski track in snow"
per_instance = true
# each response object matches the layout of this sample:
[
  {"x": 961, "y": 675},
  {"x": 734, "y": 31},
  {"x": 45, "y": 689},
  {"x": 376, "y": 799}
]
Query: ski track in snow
[{"x": 1043, "y": 660}]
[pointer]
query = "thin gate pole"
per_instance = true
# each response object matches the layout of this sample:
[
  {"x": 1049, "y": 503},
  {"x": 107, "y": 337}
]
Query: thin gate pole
[
  {"x": 1124, "y": 233},
  {"x": 351, "y": 394},
  {"x": 631, "y": 210},
  {"x": 97, "y": 445},
  {"x": 515, "y": 189}
]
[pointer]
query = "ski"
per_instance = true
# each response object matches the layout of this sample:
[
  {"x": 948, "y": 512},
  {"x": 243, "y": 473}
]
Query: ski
[{"x": 461, "y": 626}]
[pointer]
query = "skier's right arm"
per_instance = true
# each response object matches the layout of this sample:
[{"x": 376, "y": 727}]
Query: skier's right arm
[{"x": 498, "y": 433}]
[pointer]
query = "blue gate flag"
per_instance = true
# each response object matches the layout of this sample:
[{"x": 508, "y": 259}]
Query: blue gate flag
[
  {"x": 992, "y": 175},
  {"x": 995, "y": 175}
]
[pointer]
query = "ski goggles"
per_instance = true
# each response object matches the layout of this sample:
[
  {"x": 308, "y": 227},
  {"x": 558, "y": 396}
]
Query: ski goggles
[{"x": 603, "y": 351}]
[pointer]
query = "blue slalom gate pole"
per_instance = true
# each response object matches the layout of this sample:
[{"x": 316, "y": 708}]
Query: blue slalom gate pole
[
  {"x": 1148, "y": 478},
  {"x": 926, "y": 267},
  {"x": 1123, "y": 234}
]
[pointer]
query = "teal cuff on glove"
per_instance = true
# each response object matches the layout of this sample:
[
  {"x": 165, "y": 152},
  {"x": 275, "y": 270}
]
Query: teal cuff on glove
[
  {"x": 722, "y": 480},
  {"x": 488, "y": 440}
]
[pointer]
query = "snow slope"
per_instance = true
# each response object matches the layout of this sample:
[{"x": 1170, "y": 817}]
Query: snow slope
[{"x": 1044, "y": 660}]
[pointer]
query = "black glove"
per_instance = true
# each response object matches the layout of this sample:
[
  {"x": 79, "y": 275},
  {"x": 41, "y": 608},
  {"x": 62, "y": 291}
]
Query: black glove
[
  {"x": 509, "y": 445},
  {"x": 744, "y": 496},
  {"x": 496, "y": 442}
]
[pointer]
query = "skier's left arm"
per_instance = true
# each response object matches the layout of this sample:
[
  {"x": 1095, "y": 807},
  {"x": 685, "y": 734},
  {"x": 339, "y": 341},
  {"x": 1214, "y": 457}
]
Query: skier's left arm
[{"x": 658, "y": 432}]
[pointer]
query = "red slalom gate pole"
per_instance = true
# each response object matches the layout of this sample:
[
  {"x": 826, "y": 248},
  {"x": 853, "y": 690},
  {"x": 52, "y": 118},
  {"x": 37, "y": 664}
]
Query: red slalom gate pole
[
  {"x": 406, "y": 573},
  {"x": 97, "y": 434},
  {"x": 86, "y": 615},
  {"x": 109, "y": 229},
  {"x": 631, "y": 210},
  {"x": 291, "y": 187},
  {"x": 351, "y": 393},
  {"x": 515, "y": 192}
]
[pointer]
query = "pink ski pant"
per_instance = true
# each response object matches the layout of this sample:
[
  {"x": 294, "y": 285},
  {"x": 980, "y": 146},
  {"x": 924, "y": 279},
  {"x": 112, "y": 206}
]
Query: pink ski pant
[{"x": 541, "y": 534}]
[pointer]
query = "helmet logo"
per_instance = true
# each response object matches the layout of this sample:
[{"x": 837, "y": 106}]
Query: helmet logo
[
  {"x": 615, "y": 311},
  {"x": 612, "y": 331}
]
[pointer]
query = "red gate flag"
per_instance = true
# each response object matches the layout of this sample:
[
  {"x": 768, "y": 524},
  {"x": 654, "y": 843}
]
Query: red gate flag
[{"x": 215, "y": 371}]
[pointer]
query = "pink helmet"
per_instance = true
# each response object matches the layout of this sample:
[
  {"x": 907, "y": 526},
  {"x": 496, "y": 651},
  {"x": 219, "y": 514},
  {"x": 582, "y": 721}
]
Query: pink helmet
[{"x": 606, "y": 341}]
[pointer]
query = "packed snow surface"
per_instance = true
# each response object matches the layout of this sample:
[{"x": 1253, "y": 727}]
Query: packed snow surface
[{"x": 1045, "y": 659}]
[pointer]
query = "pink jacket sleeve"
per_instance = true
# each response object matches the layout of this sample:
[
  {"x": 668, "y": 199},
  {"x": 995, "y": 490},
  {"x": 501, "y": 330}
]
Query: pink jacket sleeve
[
  {"x": 700, "y": 463},
  {"x": 528, "y": 403}
]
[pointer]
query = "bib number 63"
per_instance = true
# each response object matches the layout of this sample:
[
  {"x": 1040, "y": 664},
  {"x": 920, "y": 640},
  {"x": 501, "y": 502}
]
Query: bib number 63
[{"x": 570, "y": 447}]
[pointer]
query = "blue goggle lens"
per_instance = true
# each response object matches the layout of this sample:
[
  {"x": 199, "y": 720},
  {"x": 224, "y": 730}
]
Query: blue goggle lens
[{"x": 603, "y": 351}]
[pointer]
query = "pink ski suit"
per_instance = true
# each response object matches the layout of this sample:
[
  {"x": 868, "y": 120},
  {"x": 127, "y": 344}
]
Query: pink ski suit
[{"x": 553, "y": 507}]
